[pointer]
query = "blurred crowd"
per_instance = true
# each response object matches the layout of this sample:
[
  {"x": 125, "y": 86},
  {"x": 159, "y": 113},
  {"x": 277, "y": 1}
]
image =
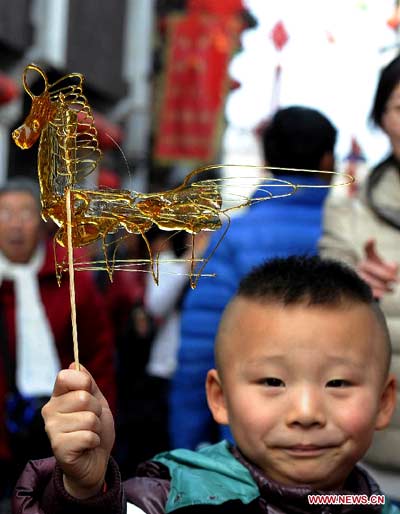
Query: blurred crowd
[{"x": 148, "y": 344}]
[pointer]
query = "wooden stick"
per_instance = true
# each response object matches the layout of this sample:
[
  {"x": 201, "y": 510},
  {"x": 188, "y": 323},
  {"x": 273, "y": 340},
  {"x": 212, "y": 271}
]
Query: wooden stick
[{"x": 72, "y": 278}]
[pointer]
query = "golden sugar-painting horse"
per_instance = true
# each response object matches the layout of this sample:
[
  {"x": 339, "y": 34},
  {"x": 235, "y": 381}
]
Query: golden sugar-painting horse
[{"x": 68, "y": 151}]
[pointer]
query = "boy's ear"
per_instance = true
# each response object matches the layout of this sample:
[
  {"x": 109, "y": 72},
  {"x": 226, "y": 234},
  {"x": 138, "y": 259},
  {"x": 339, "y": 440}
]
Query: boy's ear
[
  {"x": 387, "y": 404},
  {"x": 215, "y": 397}
]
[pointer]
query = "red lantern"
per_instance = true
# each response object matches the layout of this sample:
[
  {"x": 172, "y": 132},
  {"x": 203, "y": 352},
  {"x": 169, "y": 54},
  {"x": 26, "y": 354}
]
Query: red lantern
[{"x": 8, "y": 89}]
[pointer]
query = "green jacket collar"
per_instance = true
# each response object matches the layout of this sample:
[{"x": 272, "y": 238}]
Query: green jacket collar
[{"x": 213, "y": 468}]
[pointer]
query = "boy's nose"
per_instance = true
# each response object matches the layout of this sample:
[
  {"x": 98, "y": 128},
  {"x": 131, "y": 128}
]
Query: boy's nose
[{"x": 306, "y": 408}]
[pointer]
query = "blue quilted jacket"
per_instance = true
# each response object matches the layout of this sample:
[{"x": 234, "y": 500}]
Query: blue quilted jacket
[{"x": 272, "y": 228}]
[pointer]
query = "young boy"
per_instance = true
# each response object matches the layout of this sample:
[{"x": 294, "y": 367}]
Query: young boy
[{"x": 302, "y": 377}]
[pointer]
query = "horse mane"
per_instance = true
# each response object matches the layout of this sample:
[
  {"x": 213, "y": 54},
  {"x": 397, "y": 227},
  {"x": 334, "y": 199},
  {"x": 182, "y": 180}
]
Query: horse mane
[{"x": 75, "y": 131}]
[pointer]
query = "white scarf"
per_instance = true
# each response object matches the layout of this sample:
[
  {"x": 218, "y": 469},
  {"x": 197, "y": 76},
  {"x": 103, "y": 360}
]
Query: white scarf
[{"x": 36, "y": 354}]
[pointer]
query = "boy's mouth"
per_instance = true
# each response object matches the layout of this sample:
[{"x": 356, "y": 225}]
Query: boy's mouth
[{"x": 307, "y": 450}]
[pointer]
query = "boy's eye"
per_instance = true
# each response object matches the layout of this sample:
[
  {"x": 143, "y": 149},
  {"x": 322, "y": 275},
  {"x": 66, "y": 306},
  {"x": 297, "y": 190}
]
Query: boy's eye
[
  {"x": 338, "y": 382},
  {"x": 273, "y": 382}
]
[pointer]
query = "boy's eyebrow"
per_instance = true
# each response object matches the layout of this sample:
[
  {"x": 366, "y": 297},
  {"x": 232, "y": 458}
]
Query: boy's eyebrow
[
  {"x": 281, "y": 358},
  {"x": 345, "y": 360},
  {"x": 265, "y": 359}
]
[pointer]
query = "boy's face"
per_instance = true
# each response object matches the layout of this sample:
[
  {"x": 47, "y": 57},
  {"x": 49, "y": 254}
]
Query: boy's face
[{"x": 303, "y": 388}]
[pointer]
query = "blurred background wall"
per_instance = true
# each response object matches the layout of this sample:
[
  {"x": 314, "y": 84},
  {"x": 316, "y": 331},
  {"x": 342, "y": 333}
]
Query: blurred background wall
[{"x": 238, "y": 60}]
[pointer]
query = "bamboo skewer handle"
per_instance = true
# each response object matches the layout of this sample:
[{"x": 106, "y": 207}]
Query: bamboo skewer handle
[{"x": 72, "y": 278}]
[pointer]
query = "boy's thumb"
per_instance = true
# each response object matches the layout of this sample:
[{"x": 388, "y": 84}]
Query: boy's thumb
[{"x": 95, "y": 388}]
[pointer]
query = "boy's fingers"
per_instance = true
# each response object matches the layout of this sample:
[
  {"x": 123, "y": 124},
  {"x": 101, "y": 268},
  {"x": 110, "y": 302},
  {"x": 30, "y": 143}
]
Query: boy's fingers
[
  {"x": 71, "y": 380},
  {"x": 73, "y": 401},
  {"x": 74, "y": 422},
  {"x": 94, "y": 389},
  {"x": 75, "y": 443}
]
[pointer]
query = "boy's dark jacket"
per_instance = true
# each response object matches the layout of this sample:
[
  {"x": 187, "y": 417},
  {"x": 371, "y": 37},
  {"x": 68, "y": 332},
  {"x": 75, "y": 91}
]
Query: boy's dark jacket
[{"x": 217, "y": 479}]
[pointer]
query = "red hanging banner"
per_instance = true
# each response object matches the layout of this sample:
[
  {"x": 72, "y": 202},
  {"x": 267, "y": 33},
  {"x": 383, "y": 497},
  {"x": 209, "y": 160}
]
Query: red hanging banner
[
  {"x": 195, "y": 85},
  {"x": 224, "y": 8}
]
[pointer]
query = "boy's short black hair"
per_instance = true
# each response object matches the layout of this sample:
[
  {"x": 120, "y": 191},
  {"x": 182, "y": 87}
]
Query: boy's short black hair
[
  {"x": 298, "y": 278},
  {"x": 313, "y": 281},
  {"x": 388, "y": 80},
  {"x": 297, "y": 137}
]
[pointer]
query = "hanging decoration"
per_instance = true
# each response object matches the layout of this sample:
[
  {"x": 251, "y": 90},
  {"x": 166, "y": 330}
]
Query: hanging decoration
[{"x": 279, "y": 37}]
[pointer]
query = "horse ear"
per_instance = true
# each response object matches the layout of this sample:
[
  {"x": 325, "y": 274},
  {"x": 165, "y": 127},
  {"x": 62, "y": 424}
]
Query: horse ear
[{"x": 33, "y": 67}]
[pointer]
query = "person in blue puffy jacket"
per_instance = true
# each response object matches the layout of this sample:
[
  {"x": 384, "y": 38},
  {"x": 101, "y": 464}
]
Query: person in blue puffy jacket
[{"x": 296, "y": 137}]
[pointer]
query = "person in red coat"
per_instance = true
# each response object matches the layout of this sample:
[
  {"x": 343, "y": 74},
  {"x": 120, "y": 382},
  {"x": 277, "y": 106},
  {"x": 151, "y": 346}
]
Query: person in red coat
[{"x": 35, "y": 330}]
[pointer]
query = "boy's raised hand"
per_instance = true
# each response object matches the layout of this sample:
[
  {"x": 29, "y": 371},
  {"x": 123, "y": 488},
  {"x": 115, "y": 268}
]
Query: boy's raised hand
[{"x": 80, "y": 427}]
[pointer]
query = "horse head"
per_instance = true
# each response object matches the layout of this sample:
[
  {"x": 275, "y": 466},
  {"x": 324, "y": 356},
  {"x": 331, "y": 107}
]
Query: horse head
[{"x": 42, "y": 111}]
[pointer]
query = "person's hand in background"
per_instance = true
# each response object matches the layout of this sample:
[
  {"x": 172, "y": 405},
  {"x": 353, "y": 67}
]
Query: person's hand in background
[{"x": 379, "y": 274}]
